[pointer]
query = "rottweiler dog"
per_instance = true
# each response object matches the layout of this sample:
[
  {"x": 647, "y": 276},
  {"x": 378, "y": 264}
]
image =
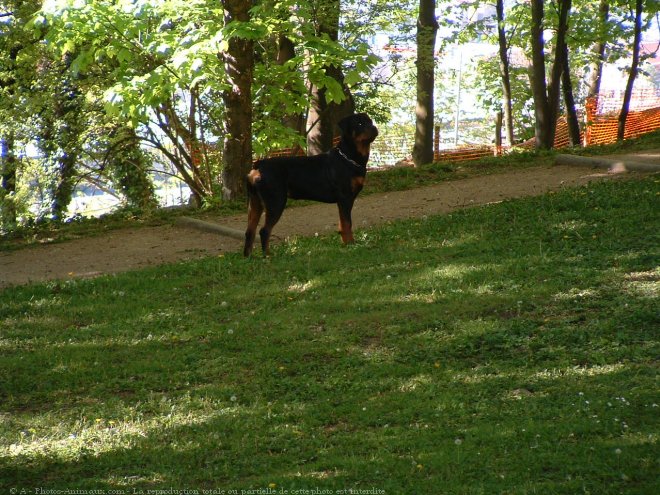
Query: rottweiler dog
[{"x": 336, "y": 176}]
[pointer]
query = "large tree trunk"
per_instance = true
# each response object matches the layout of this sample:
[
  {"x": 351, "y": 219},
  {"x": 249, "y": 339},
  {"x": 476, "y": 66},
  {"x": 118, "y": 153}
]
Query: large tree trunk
[
  {"x": 539, "y": 86},
  {"x": 239, "y": 64},
  {"x": 634, "y": 68},
  {"x": 505, "y": 73},
  {"x": 324, "y": 115},
  {"x": 598, "y": 50},
  {"x": 554, "y": 85},
  {"x": 546, "y": 95},
  {"x": 427, "y": 29},
  {"x": 60, "y": 133}
]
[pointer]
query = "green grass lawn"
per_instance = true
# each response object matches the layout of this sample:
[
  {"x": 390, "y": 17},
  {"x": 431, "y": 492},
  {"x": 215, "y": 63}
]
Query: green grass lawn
[{"x": 502, "y": 349}]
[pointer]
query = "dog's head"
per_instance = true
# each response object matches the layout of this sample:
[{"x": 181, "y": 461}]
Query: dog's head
[{"x": 359, "y": 130}]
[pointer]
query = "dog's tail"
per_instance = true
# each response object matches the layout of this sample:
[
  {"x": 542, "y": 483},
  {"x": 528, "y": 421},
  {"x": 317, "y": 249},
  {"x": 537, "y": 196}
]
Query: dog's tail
[{"x": 251, "y": 181}]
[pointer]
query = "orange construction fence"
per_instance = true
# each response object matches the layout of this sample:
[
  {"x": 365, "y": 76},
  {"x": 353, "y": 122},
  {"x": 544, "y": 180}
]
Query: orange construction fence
[
  {"x": 600, "y": 126},
  {"x": 603, "y": 128},
  {"x": 600, "y": 121}
]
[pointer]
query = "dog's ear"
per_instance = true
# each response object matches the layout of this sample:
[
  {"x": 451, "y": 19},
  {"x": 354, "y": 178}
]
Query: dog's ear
[{"x": 345, "y": 125}]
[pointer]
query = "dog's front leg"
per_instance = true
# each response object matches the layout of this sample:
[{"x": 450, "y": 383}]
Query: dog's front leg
[{"x": 345, "y": 222}]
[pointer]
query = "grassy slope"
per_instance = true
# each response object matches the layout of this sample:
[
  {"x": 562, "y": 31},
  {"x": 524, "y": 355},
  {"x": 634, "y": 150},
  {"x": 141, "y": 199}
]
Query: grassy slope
[{"x": 509, "y": 348}]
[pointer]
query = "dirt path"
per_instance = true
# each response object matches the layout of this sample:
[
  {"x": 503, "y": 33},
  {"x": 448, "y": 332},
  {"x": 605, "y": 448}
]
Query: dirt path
[{"x": 131, "y": 248}]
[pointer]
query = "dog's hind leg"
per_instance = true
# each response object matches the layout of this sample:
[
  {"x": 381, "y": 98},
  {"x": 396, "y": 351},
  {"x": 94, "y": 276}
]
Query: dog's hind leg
[
  {"x": 274, "y": 209},
  {"x": 255, "y": 209}
]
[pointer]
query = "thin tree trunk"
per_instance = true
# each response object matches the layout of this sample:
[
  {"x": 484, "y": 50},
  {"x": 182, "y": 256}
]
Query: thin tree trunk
[
  {"x": 7, "y": 152},
  {"x": 239, "y": 64},
  {"x": 554, "y": 85},
  {"x": 286, "y": 50},
  {"x": 569, "y": 100},
  {"x": 7, "y": 181},
  {"x": 625, "y": 107},
  {"x": 427, "y": 28},
  {"x": 505, "y": 73},
  {"x": 185, "y": 154},
  {"x": 598, "y": 50},
  {"x": 499, "y": 117}
]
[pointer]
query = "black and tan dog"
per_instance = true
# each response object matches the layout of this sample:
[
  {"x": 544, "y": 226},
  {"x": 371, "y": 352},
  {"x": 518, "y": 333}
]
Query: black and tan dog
[{"x": 333, "y": 177}]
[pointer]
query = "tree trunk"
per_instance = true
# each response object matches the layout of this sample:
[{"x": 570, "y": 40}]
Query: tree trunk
[
  {"x": 598, "y": 50},
  {"x": 324, "y": 115},
  {"x": 569, "y": 100},
  {"x": 634, "y": 68},
  {"x": 427, "y": 28},
  {"x": 505, "y": 73},
  {"x": 499, "y": 117},
  {"x": 7, "y": 152},
  {"x": 554, "y": 85},
  {"x": 286, "y": 50},
  {"x": 182, "y": 148},
  {"x": 239, "y": 64},
  {"x": 65, "y": 185},
  {"x": 546, "y": 95},
  {"x": 539, "y": 87},
  {"x": 64, "y": 147},
  {"x": 319, "y": 123},
  {"x": 7, "y": 181},
  {"x": 127, "y": 166}
]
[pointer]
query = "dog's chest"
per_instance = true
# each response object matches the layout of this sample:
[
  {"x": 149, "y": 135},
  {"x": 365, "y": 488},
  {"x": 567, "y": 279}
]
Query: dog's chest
[
  {"x": 357, "y": 183},
  {"x": 327, "y": 188}
]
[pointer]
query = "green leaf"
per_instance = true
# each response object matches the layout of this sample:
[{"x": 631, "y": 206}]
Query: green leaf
[
  {"x": 69, "y": 46},
  {"x": 124, "y": 55},
  {"x": 334, "y": 91}
]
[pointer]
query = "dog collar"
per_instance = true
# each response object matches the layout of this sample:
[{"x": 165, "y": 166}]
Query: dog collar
[{"x": 350, "y": 160}]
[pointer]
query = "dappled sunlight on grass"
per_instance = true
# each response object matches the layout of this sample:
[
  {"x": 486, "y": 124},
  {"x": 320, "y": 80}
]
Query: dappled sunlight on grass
[
  {"x": 479, "y": 375},
  {"x": 569, "y": 225},
  {"x": 411, "y": 384},
  {"x": 97, "y": 435},
  {"x": 454, "y": 271},
  {"x": 46, "y": 303},
  {"x": 301, "y": 287},
  {"x": 574, "y": 294},
  {"x": 579, "y": 371},
  {"x": 643, "y": 284}
]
